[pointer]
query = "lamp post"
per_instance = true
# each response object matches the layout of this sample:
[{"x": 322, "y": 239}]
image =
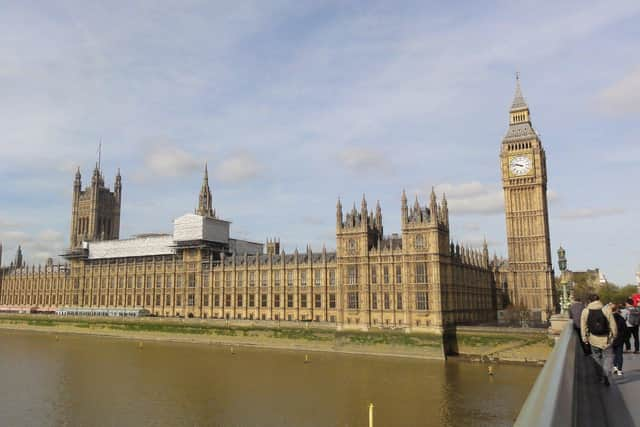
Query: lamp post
[{"x": 562, "y": 263}]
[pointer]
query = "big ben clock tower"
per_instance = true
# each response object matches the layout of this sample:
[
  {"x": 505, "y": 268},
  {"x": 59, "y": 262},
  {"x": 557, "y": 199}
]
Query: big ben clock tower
[{"x": 524, "y": 180}]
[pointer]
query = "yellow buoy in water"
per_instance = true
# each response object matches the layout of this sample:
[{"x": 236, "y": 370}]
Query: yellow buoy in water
[
  {"x": 307, "y": 359},
  {"x": 491, "y": 370},
  {"x": 57, "y": 338},
  {"x": 140, "y": 345},
  {"x": 232, "y": 351}
]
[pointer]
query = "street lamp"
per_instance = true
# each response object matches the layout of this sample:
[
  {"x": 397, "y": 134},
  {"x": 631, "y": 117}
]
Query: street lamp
[{"x": 562, "y": 263}]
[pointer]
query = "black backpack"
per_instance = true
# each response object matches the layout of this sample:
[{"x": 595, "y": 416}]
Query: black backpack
[{"x": 597, "y": 323}]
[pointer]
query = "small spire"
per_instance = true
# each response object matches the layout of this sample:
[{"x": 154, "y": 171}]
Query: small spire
[
  {"x": 404, "y": 195},
  {"x": 205, "y": 199},
  {"x": 518, "y": 100}
]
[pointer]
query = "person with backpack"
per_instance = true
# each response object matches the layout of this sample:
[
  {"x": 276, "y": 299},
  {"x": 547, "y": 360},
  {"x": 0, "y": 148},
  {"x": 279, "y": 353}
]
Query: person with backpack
[
  {"x": 575, "y": 311},
  {"x": 598, "y": 330},
  {"x": 617, "y": 345},
  {"x": 631, "y": 315}
]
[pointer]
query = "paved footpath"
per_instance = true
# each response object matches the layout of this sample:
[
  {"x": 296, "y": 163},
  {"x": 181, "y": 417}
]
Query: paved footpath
[
  {"x": 614, "y": 406},
  {"x": 629, "y": 384}
]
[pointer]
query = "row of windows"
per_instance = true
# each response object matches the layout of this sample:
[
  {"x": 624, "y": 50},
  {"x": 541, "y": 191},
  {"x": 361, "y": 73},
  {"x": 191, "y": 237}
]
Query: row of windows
[
  {"x": 519, "y": 146},
  {"x": 352, "y": 278},
  {"x": 353, "y": 302},
  {"x": 305, "y": 300},
  {"x": 139, "y": 281}
]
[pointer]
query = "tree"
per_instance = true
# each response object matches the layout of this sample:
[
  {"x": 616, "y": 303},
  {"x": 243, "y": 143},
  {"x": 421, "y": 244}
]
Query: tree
[{"x": 609, "y": 292}]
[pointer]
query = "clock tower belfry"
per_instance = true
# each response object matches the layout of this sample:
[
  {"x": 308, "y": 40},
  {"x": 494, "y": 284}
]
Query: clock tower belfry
[{"x": 524, "y": 180}]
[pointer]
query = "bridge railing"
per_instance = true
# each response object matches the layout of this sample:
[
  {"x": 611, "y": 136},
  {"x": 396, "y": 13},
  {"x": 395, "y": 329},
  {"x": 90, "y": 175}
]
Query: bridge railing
[{"x": 551, "y": 401}]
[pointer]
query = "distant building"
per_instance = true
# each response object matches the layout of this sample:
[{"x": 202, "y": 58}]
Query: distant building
[{"x": 591, "y": 278}]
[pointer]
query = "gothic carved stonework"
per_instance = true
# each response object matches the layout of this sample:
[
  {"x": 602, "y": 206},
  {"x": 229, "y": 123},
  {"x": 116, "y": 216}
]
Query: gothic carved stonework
[{"x": 524, "y": 179}]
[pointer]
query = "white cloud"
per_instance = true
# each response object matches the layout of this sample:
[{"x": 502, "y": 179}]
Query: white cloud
[
  {"x": 36, "y": 247},
  {"x": 589, "y": 213},
  {"x": 621, "y": 98},
  {"x": 313, "y": 220},
  {"x": 361, "y": 159},
  {"x": 50, "y": 235},
  {"x": 167, "y": 161},
  {"x": 471, "y": 226},
  {"x": 239, "y": 167},
  {"x": 472, "y": 198}
]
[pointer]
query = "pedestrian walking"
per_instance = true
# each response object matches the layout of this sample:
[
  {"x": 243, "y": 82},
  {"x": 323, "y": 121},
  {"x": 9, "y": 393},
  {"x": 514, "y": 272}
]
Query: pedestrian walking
[
  {"x": 598, "y": 330},
  {"x": 617, "y": 345},
  {"x": 575, "y": 311},
  {"x": 631, "y": 315}
]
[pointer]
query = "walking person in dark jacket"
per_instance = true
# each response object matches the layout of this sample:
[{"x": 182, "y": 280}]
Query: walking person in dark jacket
[
  {"x": 575, "y": 311},
  {"x": 632, "y": 316},
  {"x": 617, "y": 345},
  {"x": 598, "y": 329}
]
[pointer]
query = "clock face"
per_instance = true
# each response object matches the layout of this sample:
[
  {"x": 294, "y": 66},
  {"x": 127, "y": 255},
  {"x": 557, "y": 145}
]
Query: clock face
[{"x": 520, "y": 165}]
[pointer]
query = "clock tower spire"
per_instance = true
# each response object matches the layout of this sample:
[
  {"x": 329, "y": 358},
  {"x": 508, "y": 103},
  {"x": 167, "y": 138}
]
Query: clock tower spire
[{"x": 524, "y": 180}]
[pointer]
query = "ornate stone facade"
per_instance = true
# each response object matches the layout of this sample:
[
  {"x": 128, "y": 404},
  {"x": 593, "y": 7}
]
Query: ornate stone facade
[
  {"x": 418, "y": 279},
  {"x": 524, "y": 179},
  {"x": 95, "y": 211}
]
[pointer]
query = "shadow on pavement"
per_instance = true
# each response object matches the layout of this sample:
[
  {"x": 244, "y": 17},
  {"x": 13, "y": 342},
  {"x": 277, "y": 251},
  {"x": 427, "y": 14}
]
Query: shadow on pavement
[{"x": 596, "y": 404}]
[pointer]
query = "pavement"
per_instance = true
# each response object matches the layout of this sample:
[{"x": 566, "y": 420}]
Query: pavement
[
  {"x": 629, "y": 384},
  {"x": 617, "y": 405}
]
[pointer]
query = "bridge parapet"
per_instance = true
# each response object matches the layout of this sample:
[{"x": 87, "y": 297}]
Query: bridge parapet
[
  {"x": 567, "y": 392},
  {"x": 551, "y": 400}
]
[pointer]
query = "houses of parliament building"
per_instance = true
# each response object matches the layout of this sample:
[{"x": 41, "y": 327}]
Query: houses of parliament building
[{"x": 418, "y": 279}]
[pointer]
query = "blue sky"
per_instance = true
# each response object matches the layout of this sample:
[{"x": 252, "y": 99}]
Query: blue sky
[{"x": 294, "y": 103}]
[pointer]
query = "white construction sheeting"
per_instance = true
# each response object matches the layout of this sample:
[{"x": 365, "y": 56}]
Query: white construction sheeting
[
  {"x": 195, "y": 227},
  {"x": 140, "y": 246}
]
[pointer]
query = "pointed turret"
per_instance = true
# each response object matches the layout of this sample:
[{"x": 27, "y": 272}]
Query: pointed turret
[
  {"x": 519, "y": 112},
  {"x": 433, "y": 205},
  {"x": 518, "y": 100},
  {"x": 445, "y": 210},
  {"x": 95, "y": 177},
  {"x": 404, "y": 209},
  {"x": 205, "y": 199},
  {"x": 77, "y": 182},
  {"x": 485, "y": 253},
  {"x": 363, "y": 210},
  {"x": 117, "y": 187},
  {"x": 339, "y": 213},
  {"x": 18, "y": 263}
]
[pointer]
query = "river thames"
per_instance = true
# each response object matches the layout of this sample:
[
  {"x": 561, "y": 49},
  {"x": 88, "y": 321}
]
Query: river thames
[{"x": 73, "y": 380}]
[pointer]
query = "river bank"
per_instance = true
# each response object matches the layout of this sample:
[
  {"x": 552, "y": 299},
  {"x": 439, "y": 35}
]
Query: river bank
[{"x": 496, "y": 345}]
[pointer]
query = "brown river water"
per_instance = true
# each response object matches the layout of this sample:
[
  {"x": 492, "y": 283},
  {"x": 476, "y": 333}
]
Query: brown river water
[{"x": 78, "y": 380}]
